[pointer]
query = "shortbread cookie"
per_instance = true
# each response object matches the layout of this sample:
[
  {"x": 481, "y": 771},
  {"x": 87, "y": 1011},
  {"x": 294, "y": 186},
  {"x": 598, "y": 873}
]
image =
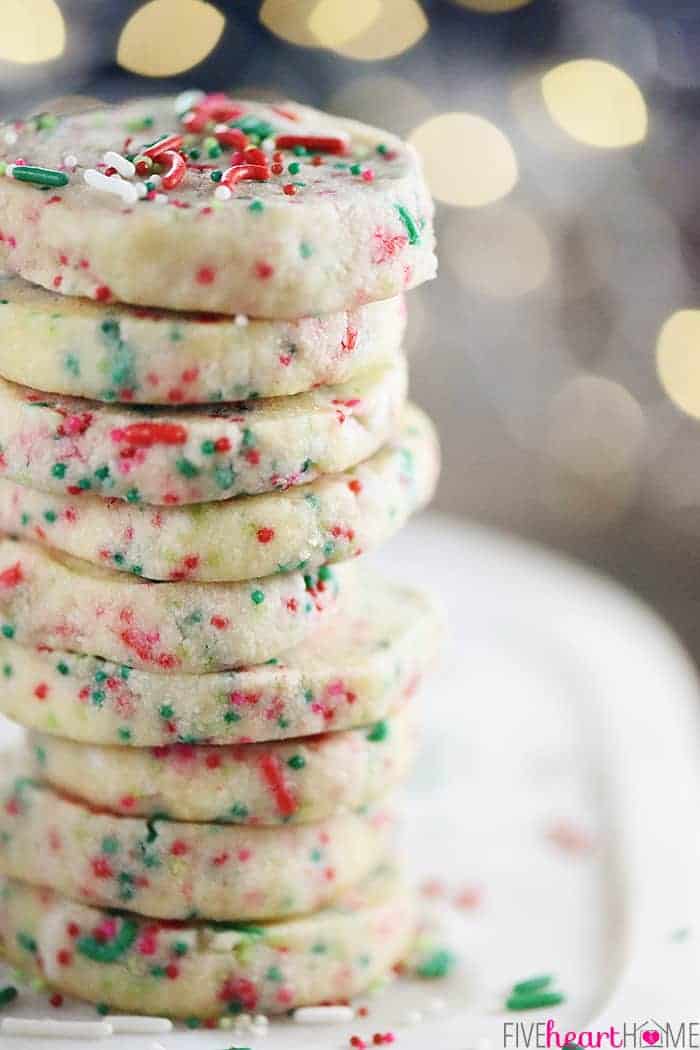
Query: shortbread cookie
[
  {"x": 176, "y": 870},
  {"x": 282, "y": 235},
  {"x": 296, "y": 781},
  {"x": 200, "y": 970},
  {"x": 361, "y": 665},
  {"x": 50, "y": 599},
  {"x": 331, "y": 519},
  {"x": 141, "y": 356},
  {"x": 170, "y": 456}
]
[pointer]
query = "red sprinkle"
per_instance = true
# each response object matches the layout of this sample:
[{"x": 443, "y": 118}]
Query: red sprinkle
[
  {"x": 11, "y": 577},
  {"x": 175, "y": 171},
  {"x": 245, "y": 173},
  {"x": 56, "y": 999},
  {"x": 265, "y": 534},
  {"x": 205, "y": 275},
  {"x": 170, "y": 142},
  {"x": 102, "y": 293},
  {"x": 144, "y": 435},
  {"x": 274, "y": 778},
  {"x": 317, "y": 143}
]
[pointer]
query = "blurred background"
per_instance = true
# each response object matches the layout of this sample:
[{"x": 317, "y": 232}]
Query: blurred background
[{"x": 560, "y": 349}]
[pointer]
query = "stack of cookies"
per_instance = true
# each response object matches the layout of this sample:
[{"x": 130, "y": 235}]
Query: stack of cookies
[{"x": 203, "y": 421}]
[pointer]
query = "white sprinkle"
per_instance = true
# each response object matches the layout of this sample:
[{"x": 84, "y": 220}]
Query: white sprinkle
[
  {"x": 241, "y": 320},
  {"x": 323, "y": 1014},
  {"x": 155, "y": 180},
  {"x": 261, "y": 1019},
  {"x": 9, "y": 168},
  {"x": 156, "y": 1046},
  {"x": 123, "y": 166},
  {"x": 186, "y": 100},
  {"x": 268, "y": 144},
  {"x": 111, "y": 184},
  {"x": 437, "y": 1005},
  {"x": 414, "y": 1017},
  {"x": 222, "y": 193},
  {"x": 141, "y": 190},
  {"x": 70, "y": 162},
  {"x": 55, "y": 1029},
  {"x": 10, "y": 137},
  {"x": 133, "y": 1024},
  {"x": 226, "y": 1022}
]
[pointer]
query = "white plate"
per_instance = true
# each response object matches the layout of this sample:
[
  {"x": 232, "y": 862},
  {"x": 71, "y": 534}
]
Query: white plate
[{"x": 561, "y": 702}]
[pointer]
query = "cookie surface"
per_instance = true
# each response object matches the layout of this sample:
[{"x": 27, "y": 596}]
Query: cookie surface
[
  {"x": 177, "y": 870},
  {"x": 361, "y": 664},
  {"x": 200, "y": 970},
  {"x": 331, "y": 519},
  {"x": 295, "y": 782},
  {"x": 171, "y": 456},
  {"x": 51, "y": 599},
  {"x": 134, "y": 355},
  {"x": 310, "y": 238}
]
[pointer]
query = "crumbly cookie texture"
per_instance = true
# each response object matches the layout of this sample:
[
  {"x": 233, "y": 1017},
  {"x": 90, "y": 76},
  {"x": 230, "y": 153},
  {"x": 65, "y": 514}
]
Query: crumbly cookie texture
[
  {"x": 51, "y": 599},
  {"x": 229, "y": 205},
  {"x": 176, "y": 870},
  {"x": 336, "y": 517},
  {"x": 173, "y": 456},
  {"x": 361, "y": 664},
  {"x": 204, "y": 970},
  {"x": 138, "y": 355},
  {"x": 286, "y": 782}
]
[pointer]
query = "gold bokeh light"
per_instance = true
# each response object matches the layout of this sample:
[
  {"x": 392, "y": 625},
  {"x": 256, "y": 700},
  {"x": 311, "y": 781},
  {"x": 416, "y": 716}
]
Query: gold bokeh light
[
  {"x": 289, "y": 20},
  {"x": 493, "y": 7},
  {"x": 32, "y": 31},
  {"x": 468, "y": 161},
  {"x": 595, "y": 103},
  {"x": 166, "y": 37},
  {"x": 368, "y": 30},
  {"x": 678, "y": 360}
]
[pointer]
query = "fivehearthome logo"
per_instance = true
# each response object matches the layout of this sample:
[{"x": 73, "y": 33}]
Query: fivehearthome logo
[{"x": 649, "y": 1034}]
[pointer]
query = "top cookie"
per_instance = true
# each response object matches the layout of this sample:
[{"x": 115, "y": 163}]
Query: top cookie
[{"x": 209, "y": 203}]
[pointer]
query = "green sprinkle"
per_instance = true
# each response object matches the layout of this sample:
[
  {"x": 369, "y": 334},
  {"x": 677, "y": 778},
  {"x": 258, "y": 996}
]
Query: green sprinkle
[
  {"x": 325, "y": 574},
  {"x": 7, "y": 994},
  {"x": 85, "y": 484},
  {"x": 208, "y": 448},
  {"x": 180, "y": 948},
  {"x": 187, "y": 468},
  {"x": 166, "y": 711},
  {"x": 294, "y": 168},
  {"x": 382, "y": 148},
  {"x": 296, "y": 762},
  {"x": 45, "y": 121},
  {"x": 62, "y": 667},
  {"x": 8, "y": 631},
  {"x": 409, "y": 223},
  {"x": 216, "y": 175},
  {"x": 27, "y": 942},
  {"x": 257, "y": 597},
  {"x": 305, "y": 250},
  {"x": 110, "y": 844},
  {"x": 532, "y": 984},
  {"x": 102, "y": 1009},
  {"x": 50, "y": 516},
  {"x": 39, "y": 176},
  {"x": 102, "y": 473},
  {"x": 437, "y": 965},
  {"x": 256, "y": 205},
  {"x": 7, "y": 670},
  {"x": 58, "y": 470},
  {"x": 194, "y": 154},
  {"x": 192, "y": 1022},
  {"x": 355, "y": 169},
  {"x": 133, "y": 496},
  {"x": 125, "y": 735},
  {"x": 534, "y": 1001},
  {"x": 379, "y": 732}
]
